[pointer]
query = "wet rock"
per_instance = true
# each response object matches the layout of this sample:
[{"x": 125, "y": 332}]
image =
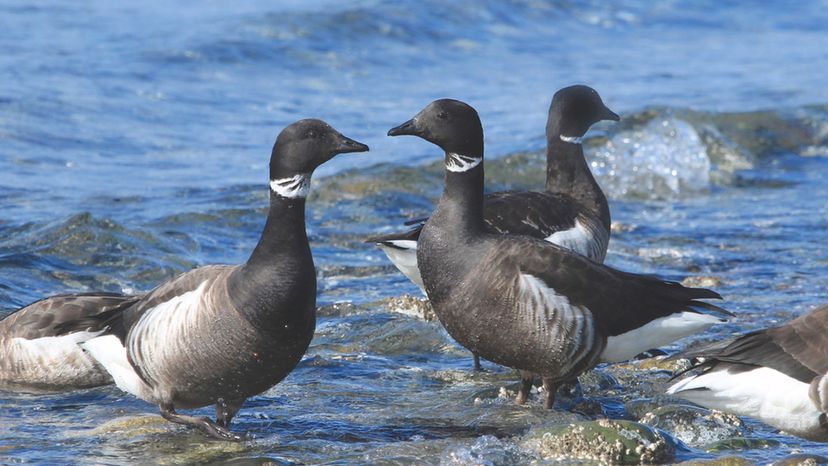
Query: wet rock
[
  {"x": 740, "y": 444},
  {"x": 597, "y": 381},
  {"x": 702, "y": 281},
  {"x": 695, "y": 426},
  {"x": 607, "y": 441},
  {"x": 618, "y": 227},
  {"x": 639, "y": 407},
  {"x": 411, "y": 305},
  {"x": 587, "y": 406},
  {"x": 658, "y": 363},
  {"x": 338, "y": 310},
  {"x": 721, "y": 461},
  {"x": 802, "y": 460}
]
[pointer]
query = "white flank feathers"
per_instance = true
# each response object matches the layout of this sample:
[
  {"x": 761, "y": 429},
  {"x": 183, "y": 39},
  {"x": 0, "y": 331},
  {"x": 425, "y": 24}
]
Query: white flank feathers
[
  {"x": 574, "y": 331},
  {"x": 461, "y": 163},
  {"x": 763, "y": 393},
  {"x": 155, "y": 340},
  {"x": 656, "y": 333},
  {"x": 578, "y": 239},
  {"x": 404, "y": 257},
  {"x": 111, "y": 354},
  {"x": 158, "y": 338},
  {"x": 572, "y": 139},
  {"x": 293, "y": 187}
]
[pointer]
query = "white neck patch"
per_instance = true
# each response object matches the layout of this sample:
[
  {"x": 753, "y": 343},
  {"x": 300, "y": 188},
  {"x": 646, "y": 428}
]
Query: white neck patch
[
  {"x": 461, "y": 163},
  {"x": 294, "y": 187},
  {"x": 572, "y": 139}
]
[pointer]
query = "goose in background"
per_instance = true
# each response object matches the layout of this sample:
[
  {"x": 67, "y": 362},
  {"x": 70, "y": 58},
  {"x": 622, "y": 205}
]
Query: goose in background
[{"x": 33, "y": 357}]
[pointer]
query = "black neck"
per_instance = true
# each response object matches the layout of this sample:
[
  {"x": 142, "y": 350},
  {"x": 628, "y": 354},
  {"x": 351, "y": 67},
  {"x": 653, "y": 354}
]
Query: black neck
[
  {"x": 281, "y": 264},
  {"x": 284, "y": 232},
  {"x": 283, "y": 241},
  {"x": 461, "y": 204},
  {"x": 567, "y": 172}
]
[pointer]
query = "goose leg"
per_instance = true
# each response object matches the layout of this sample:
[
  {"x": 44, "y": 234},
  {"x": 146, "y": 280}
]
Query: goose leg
[
  {"x": 226, "y": 411},
  {"x": 477, "y": 366},
  {"x": 549, "y": 390},
  {"x": 204, "y": 424},
  {"x": 526, "y": 380}
]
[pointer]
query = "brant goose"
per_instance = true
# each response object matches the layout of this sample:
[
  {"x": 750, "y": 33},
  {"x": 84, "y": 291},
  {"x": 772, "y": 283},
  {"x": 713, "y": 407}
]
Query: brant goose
[
  {"x": 572, "y": 212},
  {"x": 776, "y": 375},
  {"x": 219, "y": 334},
  {"x": 34, "y": 357},
  {"x": 523, "y": 302}
]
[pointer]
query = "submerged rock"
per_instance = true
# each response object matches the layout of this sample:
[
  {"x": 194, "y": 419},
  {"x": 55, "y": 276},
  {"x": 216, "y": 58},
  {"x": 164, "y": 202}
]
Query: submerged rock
[
  {"x": 604, "y": 440},
  {"x": 695, "y": 426},
  {"x": 721, "y": 461},
  {"x": 131, "y": 426},
  {"x": 740, "y": 444},
  {"x": 802, "y": 460}
]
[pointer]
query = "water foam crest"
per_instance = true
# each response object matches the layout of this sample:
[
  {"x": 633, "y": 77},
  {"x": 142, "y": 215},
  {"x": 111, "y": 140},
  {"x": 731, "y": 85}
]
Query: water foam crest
[{"x": 662, "y": 159}]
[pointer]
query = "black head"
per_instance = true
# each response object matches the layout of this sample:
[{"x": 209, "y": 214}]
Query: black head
[
  {"x": 306, "y": 144},
  {"x": 451, "y": 124},
  {"x": 574, "y": 109}
]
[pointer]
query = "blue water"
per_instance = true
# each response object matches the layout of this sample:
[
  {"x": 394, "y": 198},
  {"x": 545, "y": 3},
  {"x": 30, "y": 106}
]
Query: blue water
[{"x": 135, "y": 140}]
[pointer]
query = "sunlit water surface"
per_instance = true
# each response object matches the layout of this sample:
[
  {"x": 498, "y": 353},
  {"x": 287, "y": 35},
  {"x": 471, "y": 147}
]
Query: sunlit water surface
[{"x": 135, "y": 146}]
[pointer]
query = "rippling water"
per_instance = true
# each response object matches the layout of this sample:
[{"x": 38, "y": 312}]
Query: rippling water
[{"x": 136, "y": 140}]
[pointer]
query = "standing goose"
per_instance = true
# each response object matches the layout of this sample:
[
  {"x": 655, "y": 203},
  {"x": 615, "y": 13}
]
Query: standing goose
[
  {"x": 572, "y": 212},
  {"x": 526, "y": 303},
  {"x": 776, "y": 375},
  {"x": 219, "y": 334},
  {"x": 34, "y": 357}
]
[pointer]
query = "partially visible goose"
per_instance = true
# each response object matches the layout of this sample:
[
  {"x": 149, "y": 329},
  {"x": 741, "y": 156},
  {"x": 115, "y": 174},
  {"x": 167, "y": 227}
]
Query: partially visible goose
[
  {"x": 219, "y": 334},
  {"x": 34, "y": 357},
  {"x": 526, "y": 303},
  {"x": 572, "y": 212},
  {"x": 776, "y": 375}
]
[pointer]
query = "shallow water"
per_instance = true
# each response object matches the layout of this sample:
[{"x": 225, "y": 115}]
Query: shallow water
[{"x": 136, "y": 142}]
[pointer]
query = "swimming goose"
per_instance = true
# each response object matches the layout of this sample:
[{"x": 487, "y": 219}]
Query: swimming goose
[
  {"x": 219, "y": 334},
  {"x": 776, "y": 375},
  {"x": 572, "y": 212},
  {"x": 33, "y": 357},
  {"x": 523, "y": 302}
]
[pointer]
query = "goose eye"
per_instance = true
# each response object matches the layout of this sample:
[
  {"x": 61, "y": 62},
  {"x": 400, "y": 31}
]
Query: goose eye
[
  {"x": 310, "y": 134},
  {"x": 442, "y": 115}
]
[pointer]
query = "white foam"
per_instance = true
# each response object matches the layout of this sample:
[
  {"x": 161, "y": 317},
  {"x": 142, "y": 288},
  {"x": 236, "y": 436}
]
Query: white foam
[{"x": 663, "y": 159}]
